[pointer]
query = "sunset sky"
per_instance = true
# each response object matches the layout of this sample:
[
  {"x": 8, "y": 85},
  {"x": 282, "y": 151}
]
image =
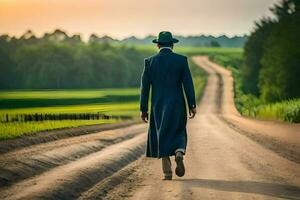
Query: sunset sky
[{"x": 122, "y": 18}]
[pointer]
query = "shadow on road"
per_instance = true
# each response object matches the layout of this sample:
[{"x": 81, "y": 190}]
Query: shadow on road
[{"x": 270, "y": 189}]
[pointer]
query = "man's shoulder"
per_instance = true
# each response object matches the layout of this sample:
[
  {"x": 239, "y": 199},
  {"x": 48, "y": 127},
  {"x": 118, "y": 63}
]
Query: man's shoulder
[
  {"x": 175, "y": 55},
  {"x": 151, "y": 57},
  {"x": 148, "y": 59},
  {"x": 179, "y": 56}
]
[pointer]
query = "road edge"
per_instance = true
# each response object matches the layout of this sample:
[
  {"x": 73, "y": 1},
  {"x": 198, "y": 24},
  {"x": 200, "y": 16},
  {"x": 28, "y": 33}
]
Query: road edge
[{"x": 48, "y": 136}]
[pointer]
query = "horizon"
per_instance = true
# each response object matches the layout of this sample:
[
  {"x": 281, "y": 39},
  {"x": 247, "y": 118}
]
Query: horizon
[
  {"x": 118, "y": 39},
  {"x": 119, "y": 19}
]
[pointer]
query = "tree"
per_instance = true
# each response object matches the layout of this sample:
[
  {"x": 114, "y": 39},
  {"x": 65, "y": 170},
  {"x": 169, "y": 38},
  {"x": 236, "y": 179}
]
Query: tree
[
  {"x": 253, "y": 52},
  {"x": 60, "y": 61},
  {"x": 279, "y": 76},
  {"x": 6, "y": 72},
  {"x": 271, "y": 58},
  {"x": 214, "y": 43}
]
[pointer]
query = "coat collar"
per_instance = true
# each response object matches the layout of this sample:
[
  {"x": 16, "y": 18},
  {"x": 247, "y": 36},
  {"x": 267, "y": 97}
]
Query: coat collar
[{"x": 165, "y": 49}]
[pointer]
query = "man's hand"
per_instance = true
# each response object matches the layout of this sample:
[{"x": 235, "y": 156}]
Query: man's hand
[
  {"x": 192, "y": 113},
  {"x": 144, "y": 116}
]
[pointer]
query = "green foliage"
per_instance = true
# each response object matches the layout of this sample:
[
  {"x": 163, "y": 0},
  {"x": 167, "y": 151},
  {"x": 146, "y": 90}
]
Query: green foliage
[
  {"x": 199, "y": 79},
  {"x": 253, "y": 53},
  {"x": 214, "y": 43},
  {"x": 188, "y": 41},
  {"x": 267, "y": 86},
  {"x": 230, "y": 59},
  {"x": 288, "y": 111},
  {"x": 280, "y": 75},
  {"x": 115, "y": 102},
  {"x": 251, "y": 106},
  {"x": 243, "y": 102},
  {"x": 271, "y": 70},
  {"x": 57, "y": 61}
]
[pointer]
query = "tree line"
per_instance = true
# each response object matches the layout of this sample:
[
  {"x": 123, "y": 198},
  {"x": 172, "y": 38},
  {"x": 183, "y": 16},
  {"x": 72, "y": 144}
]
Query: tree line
[
  {"x": 194, "y": 41},
  {"x": 60, "y": 61},
  {"x": 272, "y": 55}
]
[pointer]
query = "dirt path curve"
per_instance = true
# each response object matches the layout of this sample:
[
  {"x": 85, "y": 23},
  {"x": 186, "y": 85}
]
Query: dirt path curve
[
  {"x": 283, "y": 138},
  {"x": 221, "y": 162}
]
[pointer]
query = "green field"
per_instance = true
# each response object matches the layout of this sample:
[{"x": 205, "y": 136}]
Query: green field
[
  {"x": 15, "y": 129},
  {"x": 110, "y": 101},
  {"x": 195, "y": 50},
  {"x": 116, "y": 102},
  {"x": 125, "y": 102},
  {"x": 113, "y": 102}
]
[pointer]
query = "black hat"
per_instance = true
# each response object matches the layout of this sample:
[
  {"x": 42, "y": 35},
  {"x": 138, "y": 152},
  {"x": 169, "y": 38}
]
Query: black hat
[{"x": 165, "y": 37}]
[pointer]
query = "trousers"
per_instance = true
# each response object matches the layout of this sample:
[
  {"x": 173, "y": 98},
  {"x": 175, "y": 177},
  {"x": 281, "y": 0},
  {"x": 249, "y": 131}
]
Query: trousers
[{"x": 167, "y": 165}]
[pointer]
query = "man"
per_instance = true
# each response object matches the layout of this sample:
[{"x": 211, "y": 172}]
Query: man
[{"x": 167, "y": 73}]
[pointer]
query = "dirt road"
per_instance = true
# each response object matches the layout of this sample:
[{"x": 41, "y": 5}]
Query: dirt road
[
  {"x": 228, "y": 157},
  {"x": 65, "y": 168},
  {"x": 222, "y": 162}
]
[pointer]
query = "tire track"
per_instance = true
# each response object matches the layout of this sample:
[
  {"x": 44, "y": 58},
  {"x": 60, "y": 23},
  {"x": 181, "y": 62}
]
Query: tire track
[
  {"x": 27, "y": 162},
  {"x": 70, "y": 180}
]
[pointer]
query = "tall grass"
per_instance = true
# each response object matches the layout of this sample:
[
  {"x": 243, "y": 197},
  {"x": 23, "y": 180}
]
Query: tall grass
[{"x": 288, "y": 111}]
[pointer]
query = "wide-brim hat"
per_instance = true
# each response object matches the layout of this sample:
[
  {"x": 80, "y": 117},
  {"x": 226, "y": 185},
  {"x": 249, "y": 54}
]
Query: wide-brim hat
[{"x": 165, "y": 37}]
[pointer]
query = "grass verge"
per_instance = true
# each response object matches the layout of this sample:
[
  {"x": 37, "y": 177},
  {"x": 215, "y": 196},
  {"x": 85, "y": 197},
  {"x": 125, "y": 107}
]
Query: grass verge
[
  {"x": 250, "y": 105},
  {"x": 199, "y": 78}
]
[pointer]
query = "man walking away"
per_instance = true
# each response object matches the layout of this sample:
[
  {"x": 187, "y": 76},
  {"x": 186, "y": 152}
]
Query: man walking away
[{"x": 168, "y": 76}]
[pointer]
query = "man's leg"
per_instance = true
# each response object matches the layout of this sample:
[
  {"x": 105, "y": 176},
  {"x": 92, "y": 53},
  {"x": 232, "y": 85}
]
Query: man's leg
[
  {"x": 167, "y": 168},
  {"x": 180, "y": 170}
]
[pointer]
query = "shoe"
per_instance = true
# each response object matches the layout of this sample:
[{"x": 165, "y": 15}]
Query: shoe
[
  {"x": 180, "y": 170},
  {"x": 167, "y": 178}
]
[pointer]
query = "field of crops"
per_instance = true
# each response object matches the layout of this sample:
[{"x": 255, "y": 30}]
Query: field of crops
[
  {"x": 112, "y": 102},
  {"x": 38, "y": 104},
  {"x": 195, "y": 50},
  {"x": 69, "y": 108},
  {"x": 109, "y": 101},
  {"x": 66, "y": 105}
]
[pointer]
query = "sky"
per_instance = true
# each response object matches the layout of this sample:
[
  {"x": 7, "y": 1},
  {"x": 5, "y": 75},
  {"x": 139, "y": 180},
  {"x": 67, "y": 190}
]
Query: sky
[{"x": 123, "y": 18}]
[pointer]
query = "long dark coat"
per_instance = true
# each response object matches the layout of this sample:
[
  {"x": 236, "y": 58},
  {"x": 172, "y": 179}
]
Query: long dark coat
[{"x": 168, "y": 74}]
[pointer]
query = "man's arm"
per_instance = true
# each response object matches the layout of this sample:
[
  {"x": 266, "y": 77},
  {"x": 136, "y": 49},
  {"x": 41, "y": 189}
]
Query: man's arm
[
  {"x": 145, "y": 89},
  {"x": 189, "y": 89}
]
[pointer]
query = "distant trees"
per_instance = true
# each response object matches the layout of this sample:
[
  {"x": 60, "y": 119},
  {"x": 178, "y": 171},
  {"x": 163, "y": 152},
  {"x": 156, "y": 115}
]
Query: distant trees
[
  {"x": 272, "y": 55},
  {"x": 60, "y": 61},
  {"x": 214, "y": 43},
  {"x": 190, "y": 41}
]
